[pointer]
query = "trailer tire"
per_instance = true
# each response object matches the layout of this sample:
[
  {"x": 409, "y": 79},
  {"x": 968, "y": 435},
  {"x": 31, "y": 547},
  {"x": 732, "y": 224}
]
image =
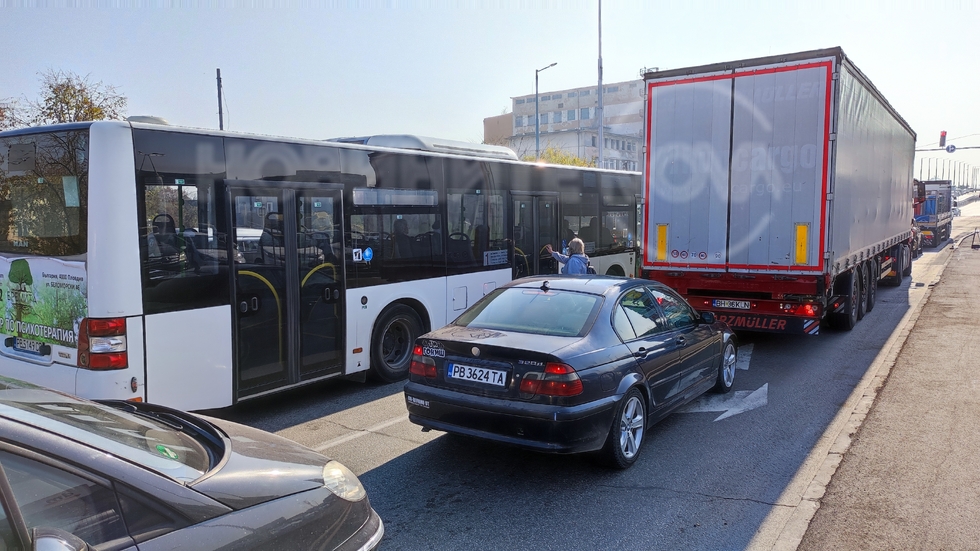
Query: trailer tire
[
  {"x": 847, "y": 319},
  {"x": 907, "y": 265},
  {"x": 862, "y": 301},
  {"x": 874, "y": 272},
  {"x": 898, "y": 267}
]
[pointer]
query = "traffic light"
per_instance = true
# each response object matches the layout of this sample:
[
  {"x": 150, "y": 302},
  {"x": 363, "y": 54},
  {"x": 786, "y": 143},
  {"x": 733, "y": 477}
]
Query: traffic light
[{"x": 942, "y": 139}]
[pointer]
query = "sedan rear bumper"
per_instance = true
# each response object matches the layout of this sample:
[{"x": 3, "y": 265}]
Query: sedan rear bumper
[{"x": 540, "y": 427}]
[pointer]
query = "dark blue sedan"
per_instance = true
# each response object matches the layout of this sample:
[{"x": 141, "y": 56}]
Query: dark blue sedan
[{"x": 569, "y": 364}]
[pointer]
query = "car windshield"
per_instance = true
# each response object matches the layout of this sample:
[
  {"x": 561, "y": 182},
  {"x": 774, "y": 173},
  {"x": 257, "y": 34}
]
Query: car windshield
[
  {"x": 535, "y": 311},
  {"x": 139, "y": 439}
]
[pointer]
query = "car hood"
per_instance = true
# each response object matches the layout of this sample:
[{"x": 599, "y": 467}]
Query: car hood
[{"x": 259, "y": 467}]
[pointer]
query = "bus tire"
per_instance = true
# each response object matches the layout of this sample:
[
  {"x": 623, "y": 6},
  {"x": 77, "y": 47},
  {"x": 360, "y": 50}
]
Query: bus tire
[
  {"x": 615, "y": 270},
  {"x": 392, "y": 342}
]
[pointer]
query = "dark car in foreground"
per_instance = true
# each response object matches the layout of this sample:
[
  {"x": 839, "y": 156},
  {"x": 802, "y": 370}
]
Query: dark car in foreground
[
  {"x": 76, "y": 474},
  {"x": 569, "y": 364}
]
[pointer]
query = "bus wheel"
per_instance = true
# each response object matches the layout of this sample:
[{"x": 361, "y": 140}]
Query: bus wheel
[
  {"x": 615, "y": 270},
  {"x": 392, "y": 342}
]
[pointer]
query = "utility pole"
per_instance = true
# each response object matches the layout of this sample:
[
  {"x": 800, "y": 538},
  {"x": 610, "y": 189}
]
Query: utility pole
[
  {"x": 221, "y": 118},
  {"x": 599, "y": 114}
]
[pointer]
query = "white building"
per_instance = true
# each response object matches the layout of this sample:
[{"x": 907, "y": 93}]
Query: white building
[{"x": 568, "y": 122}]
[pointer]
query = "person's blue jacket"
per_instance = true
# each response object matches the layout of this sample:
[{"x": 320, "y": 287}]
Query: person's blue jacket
[{"x": 574, "y": 264}]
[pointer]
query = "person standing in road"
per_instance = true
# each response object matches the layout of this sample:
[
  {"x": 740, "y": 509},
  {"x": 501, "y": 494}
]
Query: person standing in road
[{"x": 576, "y": 262}]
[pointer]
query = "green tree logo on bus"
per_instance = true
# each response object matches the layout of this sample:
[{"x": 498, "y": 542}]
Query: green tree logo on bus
[{"x": 20, "y": 287}]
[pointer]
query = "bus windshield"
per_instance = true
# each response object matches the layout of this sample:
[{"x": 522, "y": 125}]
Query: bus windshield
[{"x": 43, "y": 193}]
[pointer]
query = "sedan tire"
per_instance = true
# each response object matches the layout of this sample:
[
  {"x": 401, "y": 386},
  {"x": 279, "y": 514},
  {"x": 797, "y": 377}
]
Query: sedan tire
[
  {"x": 626, "y": 434},
  {"x": 726, "y": 372}
]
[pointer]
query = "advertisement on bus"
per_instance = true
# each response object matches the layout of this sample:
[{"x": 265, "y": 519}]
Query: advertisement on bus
[{"x": 43, "y": 302}]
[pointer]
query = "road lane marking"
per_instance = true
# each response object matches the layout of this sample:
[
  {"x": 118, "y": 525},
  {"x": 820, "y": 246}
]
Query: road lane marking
[
  {"x": 361, "y": 432},
  {"x": 737, "y": 402}
]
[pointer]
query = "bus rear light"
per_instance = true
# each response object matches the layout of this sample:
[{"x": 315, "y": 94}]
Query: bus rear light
[{"x": 102, "y": 344}]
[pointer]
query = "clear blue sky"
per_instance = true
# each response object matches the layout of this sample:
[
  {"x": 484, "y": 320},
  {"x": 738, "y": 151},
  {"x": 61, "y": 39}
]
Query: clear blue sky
[{"x": 327, "y": 68}]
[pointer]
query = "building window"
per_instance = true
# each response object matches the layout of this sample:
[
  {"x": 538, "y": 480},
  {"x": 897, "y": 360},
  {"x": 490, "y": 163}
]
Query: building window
[
  {"x": 584, "y": 93},
  {"x": 545, "y": 98},
  {"x": 518, "y": 121},
  {"x": 571, "y": 94},
  {"x": 605, "y": 143},
  {"x": 593, "y": 141},
  {"x": 557, "y": 117},
  {"x": 570, "y": 115},
  {"x": 544, "y": 118},
  {"x": 612, "y": 89},
  {"x": 585, "y": 113},
  {"x": 518, "y": 101}
]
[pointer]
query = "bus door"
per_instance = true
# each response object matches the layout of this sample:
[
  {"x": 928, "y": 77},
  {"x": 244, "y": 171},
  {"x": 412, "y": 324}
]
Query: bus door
[
  {"x": 288, "y": 283},
  {"x": 535, "y": 225}
]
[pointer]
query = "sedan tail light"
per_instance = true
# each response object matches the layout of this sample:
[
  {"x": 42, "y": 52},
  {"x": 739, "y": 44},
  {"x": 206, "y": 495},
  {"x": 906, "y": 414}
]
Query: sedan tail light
[
  {"x": 423, "y": 366},
  {"x": 556, "y": 380}
]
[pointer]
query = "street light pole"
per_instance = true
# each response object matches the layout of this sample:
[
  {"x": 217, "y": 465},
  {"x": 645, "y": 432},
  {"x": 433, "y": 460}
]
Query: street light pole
[{"x": 537, "y": 118}]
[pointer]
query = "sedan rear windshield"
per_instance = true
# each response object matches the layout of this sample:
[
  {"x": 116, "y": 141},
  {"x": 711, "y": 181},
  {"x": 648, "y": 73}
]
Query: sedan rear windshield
[
  {"x": 535, "y": 311},
  {"x": 139, "y": 439}
]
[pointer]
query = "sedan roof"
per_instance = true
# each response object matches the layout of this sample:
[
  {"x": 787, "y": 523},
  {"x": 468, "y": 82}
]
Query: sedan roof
[{"x": 595, "y": 284}]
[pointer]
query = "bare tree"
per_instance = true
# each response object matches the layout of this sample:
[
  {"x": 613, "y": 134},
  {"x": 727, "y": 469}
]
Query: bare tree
[
  {"x": 64, "y": 97},
  {"x": 6, "y": 113}
]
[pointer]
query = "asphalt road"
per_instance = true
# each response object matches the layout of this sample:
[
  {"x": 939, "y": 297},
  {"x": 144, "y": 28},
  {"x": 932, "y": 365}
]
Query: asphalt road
[{"x": 723, "y": 474}]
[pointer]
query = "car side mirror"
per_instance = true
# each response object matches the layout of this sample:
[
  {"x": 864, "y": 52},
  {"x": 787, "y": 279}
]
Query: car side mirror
[
  {"x": 53, "y": 539},
  {"x": 708, "y": 317}
]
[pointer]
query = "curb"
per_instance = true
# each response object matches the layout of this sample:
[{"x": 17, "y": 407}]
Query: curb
[{"x": 821, "y": 464}]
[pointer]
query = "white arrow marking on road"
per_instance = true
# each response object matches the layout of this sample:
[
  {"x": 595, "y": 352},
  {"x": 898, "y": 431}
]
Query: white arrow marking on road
[
  {"x": 737, "y": 402},
  {"x": 744, "y": 356}
]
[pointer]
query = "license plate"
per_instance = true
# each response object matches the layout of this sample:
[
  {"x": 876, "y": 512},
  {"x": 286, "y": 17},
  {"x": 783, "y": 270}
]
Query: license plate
[
  {"x": 477, "y": 374},
  {"x": 26, "y": 345},
  {"x": 736, "y": 304}
]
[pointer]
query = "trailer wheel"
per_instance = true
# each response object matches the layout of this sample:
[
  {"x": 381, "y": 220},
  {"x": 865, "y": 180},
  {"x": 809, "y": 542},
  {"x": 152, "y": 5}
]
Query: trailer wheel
[
  {"x": 898, "y": 267},
  {"x": 874, "y": 271},
  {"x": 907, "y": 266},
  {"x": 862, "y": 301},
  {"x": 847, "y": 319}
]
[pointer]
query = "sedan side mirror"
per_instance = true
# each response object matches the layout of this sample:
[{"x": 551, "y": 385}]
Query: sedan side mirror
[
  {"x": 53, "y": 539},
  {"x": 708, "y": 317}
]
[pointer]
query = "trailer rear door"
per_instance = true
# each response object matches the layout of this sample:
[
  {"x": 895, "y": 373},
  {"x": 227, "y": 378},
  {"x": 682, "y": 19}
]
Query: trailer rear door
[{"x": 736, "y": 168}]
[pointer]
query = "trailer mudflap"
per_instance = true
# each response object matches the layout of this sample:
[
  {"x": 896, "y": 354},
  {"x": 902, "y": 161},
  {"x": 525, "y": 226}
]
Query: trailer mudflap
[{"x": 768, "y": 323}]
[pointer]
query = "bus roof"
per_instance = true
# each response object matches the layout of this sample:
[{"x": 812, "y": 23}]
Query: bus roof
[{"x": 424, "y": 143}]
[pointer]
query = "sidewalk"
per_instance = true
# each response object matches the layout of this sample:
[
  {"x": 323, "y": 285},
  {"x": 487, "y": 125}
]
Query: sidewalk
[{"x": 911, "y": 477}]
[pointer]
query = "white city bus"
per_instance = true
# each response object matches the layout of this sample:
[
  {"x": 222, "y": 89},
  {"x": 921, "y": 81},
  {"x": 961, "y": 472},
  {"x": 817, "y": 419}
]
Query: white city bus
[{"x": 197, "y": 269}]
